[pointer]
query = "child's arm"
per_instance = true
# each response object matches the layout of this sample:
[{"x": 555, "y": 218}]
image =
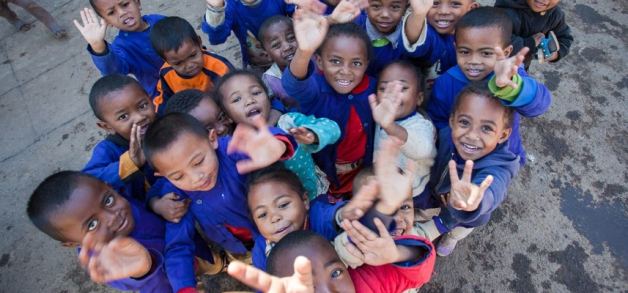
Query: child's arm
[
  {"x": 300, "y": 282},
  {"x": 217, "y": 21},
  {"x": 179, "y": 253},
  {"x": 441, "y": 101},
  {"x": 108, "y": 165},
  {"x": 170, "y": 206},
  {"x": 313, "y": 134},
  {"x": 415, "y": 25},
  {"x": 385, "y": 109},
  {"x": 310, "y": 30},
  {"x": 164, "y": 92},
  {"x": 346, "y": 11},
  {"x": 464, "y": 195}
]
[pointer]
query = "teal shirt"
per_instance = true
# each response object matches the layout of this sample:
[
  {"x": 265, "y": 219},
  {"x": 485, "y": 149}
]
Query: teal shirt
[{"x": 302, "y": 164}]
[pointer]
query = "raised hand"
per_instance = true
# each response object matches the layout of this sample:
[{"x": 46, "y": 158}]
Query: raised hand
[
  {"x": 92, "y": 30},
  {"x": 170, "y": 208},
  {"x": 135, "y": 146},
  {"x": 310, "y": 29},
  {"x": 464, "y": 195},
  {"x": 259, "y": 145},
  {"x": 122, "y": 257},
  {"x": 368, "y": 246},
  {"x": 505, "y": 68},
  {"x": 347, "y": 11},
  {"x": 421, "y": 7},
  {"x": 395, "y": 187},
  {"x": 361, "y": 201},
  {"x": 303, "y": 135},
  {"x": 385, "y": 106},
  {"x": 311, "y": 5},
  {"x": 300, "y": 282}
]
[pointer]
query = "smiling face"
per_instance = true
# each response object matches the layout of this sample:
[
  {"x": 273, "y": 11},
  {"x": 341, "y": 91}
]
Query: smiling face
[
  {"x": 243, "y": 98},
  {"x": 343, "y": 60},
  {"x": 121, "y": 109},
  {"x": 212, "y": 117},
  {"x": 477, "y": 126},
  {"x": 93, "y": 207},
  {"x": 475, "y": 51},
  {"x": 385, "y": 15},
  {"x": 122, "y": 14},
  {"x": 280, "y": 43},
  {"x": 445, "y": 13},
  {"x": 404, "y": 218},
  {"x": 542, "y": 5},
  {"x": 187, "y": 60},
  {"x": 277, "y": 209},
  {"x": 190, "y": 162},
  {"x": 411, "y": 96}
]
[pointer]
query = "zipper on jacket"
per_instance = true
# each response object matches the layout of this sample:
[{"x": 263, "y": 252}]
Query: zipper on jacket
[{"x": 442, "y": 177}]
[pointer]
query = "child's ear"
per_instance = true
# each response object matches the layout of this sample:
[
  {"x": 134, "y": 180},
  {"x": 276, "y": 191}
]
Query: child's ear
[
  {"x": 105, "y": 126},
  {"x": 319, "y": 61},
  {"x": 419, "y": 98},
  {"x": 451, "y": 121},
  {"x": 505, "y": 135},
  {"x": 70, "y": 244},
  {"x": 213, "y": 138},
  {"x": 508, "y": 50},
  {"x": 306, "y": 200},
  {"x": 473, "y": 5}
]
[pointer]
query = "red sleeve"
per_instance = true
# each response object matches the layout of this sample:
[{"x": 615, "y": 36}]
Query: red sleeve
[
  {"x": 289, "y": 148},
  {"x": 188, "y": 290}
]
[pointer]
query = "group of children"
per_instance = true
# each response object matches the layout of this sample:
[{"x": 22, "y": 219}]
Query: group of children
[{"x": 347, "y": 150}]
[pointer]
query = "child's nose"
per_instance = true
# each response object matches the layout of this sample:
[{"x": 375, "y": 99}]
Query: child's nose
[{"x": 275, "y": 218}]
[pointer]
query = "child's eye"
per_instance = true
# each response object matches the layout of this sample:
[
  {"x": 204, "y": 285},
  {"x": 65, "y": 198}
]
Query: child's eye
[
  {"x": 261, "y": 216},
  {"x": 436, "y": 3},
  {"x": 284, "y": 205},
  {"x": 334, "y": 61},
  {"x": 143, "y": 106},
  {"x": 381, "y": 88},
  {"x": 200, "y": 162},
  {"x": 123, "y": 116},
  {"x": 395, "y": 7},
  {"x": 274, "y": 45},
  {"x": 375, "y": 6},
  {"x": 255, "y": 93},
  {"x": 336, "y": 273},
  {"x": 463, "y": 52},
  {"x": 221, "y": 117},
  {"x": 236, "y": 100},
  {"x": 92, "y": 225},
  {"x": 463, "y": 122},
  {"x": 110, "y": 12},
  {"x": 208, "y": 128},
  {"x": 292, "y": 39},
  {"x": 109, "y": 201},
  {"x": 487, "y": 128},
  {"x": 455, "y": 3},
  {"x": 177, "y": 178},
  {"x": 487, "y": 54},
  {"x": 357, "y": 63},
  {"x": 176, "y": 64},
  {"x": 405, "y": 88},
  {"x": 404, "y": 207}
]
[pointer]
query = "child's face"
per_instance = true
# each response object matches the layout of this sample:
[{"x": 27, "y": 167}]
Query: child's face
[
  {"x": 188, "y": 60},
  {"x": 445, "y": 13},
  {"x": 477, "y": 126},
  {"x": 343, "y": 61},
  {"x": 190, "y": 162},
  {"x": 122, "y": 14},
  {"x": 411, "y": 96},
  {"x": 404, "y": 218},
  {"x": 93, "y": 207},
  {"x": 244, "y": 98},
  {"x": 277, "y": 209},
  {"x": 125, "y": 107},
  {"x": 542, "y": 5},
  {"x": 280, "y": 43},
  {"x": 328, "y": 271},
  {"x": 212, "y": 117},
  {"x": 385, "y": 15},
  {"x": 475, "y": 51}
]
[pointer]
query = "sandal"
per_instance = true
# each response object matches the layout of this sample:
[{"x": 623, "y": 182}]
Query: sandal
[
  {"x": 21, "y": 25},
  {"x": 58, "y": 31}
]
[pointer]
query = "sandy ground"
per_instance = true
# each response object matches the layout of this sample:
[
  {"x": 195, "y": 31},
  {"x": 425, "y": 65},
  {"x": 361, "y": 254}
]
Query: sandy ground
[{"x": 563, "y": 227}]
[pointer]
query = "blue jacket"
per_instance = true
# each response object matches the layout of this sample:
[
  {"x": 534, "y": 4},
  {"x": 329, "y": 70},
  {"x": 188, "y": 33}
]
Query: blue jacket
[
  {"x": 318, "y": 98},
  {"x": 131, "y": 52},
  {"x": 225, "y": 204},
  {"x": 105, "y": 165},
  {"x": 322, "y": 221},
  {"x": 501, "y": 163},
  {"x": 436, "y": 48},
  {"x": 240, "y": 19},
  {"x": 533, "y": 100},
  {"x": 382, "y": 56}
]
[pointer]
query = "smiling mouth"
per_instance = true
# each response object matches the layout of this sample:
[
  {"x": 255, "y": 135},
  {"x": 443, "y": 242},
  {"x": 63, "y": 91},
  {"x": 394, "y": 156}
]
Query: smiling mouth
[
  {"x": 385, "y": 24},
  {"x": 470, "y": 148},
  {"x": 205, "y": 184},
  {"x": 290, "y": 57},
  {"x": 194, "y": 72},
  {"x": 398, "y": 232},
  {"x": 283, "y": 230},
  {"x": 343, "y": 82},
  {"x": 253, "y": 113},
  {"x": 144, "y": 128},
  {"x": 443, "y": 23},
  {"x": 123, "y": 225},
  {"x": 474, "y": 72}
]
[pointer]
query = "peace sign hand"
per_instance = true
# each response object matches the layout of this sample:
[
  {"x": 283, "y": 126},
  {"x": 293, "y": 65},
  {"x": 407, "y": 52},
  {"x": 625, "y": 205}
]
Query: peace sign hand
[
  {"x": 465, "y": 195},
  {"x": 505, "y": 68}
]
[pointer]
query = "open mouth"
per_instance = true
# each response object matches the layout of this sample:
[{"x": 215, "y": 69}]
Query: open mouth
[
  {"x": 397, "y": 232},
  {"x": 443, "y": 23},
  {"x": 343, "y": 82},
  {"x": 194, "y": 71},
  {"x": 253, "y": 112},
  {"x": 468, "y": 148},
  {"x": 284, "y": 230},
  {"x": 290, "y": 57},
  {"x": 129, "y": 21},
  {"x": 474, "y": 72},
  {"x": 144, "y": 128}
]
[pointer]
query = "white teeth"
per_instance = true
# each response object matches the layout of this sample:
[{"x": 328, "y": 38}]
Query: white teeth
[
  {"x": 470, "y": 147},
  {"x": 443, "y": 22},
  {"x": 344, "y": 82}
]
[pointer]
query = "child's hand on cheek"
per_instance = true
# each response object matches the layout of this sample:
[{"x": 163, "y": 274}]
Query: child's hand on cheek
[
  {"x": 301, "y": 282},
  {"x": 259, "y": 145},
  {"x": 170, "y": 208},
  {"x": 92, "y": 30},
  {"x": 135, "y": 146},
  {"x": 347, "y": 11},
  {"x": 368, "y": 246},
  {"x": 465, "y": 195},
  {"x": 303, "y": 135},
  {"x": 385, "y": 110},
  {"x": 505, "y": 68},
  {"x": 310, "y": 29}
]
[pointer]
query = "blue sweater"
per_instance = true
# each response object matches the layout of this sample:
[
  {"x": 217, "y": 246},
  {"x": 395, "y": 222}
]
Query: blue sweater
[
  {"x": 240, "y": 19},
  {"x": 225, "y": 204},
  {"x": 318, "y": 98},
  {"x": 131, "y": 52},
  {"x": 322, "y": 221},
  {"x": 382, "y": 56},
  {"x": 501, "y": 163},
  {"x": 436, "y": 48},
  {"x": 533, "y": 100}
]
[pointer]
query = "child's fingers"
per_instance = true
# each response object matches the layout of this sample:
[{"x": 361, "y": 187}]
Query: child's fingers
[
  {"x": 303, "y": 271},
  {"x": 93, "y": 16},
  {"x": 499, "y": 53},
  {"x": 468, "y": 169},
  {"x": 246, "y": 166},
  {"x": 383, "y": 232},
  {"x": 170, "y": 196},
  {"x": 354, "y": 250},
  {"x": 352, "y": 232},
  {"x": 250, "y": 276},
  {"x": 453, "y": 172},
  {"x": 373, "y": 101},
  {"x": 486, "y": 183}
]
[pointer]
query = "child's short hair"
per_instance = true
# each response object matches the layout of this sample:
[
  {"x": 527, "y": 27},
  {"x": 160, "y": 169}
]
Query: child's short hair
[
  {"x": 419, "y": 77},
  {"x": 481, "y": 89},
  {"x": 360, "y": 178},
  {"x": 170, "y": 33},
  {"x": 106, "y": 85},
  {"x": 49, "y": 196},
  {"x": 185, "y": 101},
  {"x": 295, "y": 239},
  {"x": 484, "y": 17},
  {"x": 219, "y": 97},
  {"x": 349, "y": 29},
  {"x": 166, "y": 130},
  {"x": 276, "y": 172},
  {"x": 268, "y": 23}
]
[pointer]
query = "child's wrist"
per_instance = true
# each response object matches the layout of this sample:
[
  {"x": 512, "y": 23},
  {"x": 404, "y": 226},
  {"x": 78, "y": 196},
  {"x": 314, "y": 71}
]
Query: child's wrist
[{"x": 98, "y": 47}]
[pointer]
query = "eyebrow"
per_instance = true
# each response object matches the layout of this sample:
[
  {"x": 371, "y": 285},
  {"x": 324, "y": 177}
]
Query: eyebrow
[
  {"x": 177, "y": 171},
  {"x": 331, "y": 262},
  {"x": 274, "y": 201}
]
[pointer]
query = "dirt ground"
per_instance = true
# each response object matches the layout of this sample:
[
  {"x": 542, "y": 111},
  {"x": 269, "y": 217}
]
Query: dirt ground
[{"x": 563, "y": 227}]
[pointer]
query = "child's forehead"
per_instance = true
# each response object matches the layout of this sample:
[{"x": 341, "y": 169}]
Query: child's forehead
[
  {"x": 346, "y": 45},
  {"x": 479, "y": 35}
]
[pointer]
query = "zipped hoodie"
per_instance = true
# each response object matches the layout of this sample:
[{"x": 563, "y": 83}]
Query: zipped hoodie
[{"x": 501, "y": 163}]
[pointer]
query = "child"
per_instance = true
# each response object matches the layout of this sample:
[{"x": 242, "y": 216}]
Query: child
[
  {"x": 476, "y": 143},
  {"x": 534, "y": 20},
  {"x": 243, "y": 96},
  {"x": 201, "y": 106},
  {"x": 188, "y": 64},
  {"x": 207, "y": 170},
  {"x": 131, "y": 51},
  {"x": 121, "y": 242},
  {"x": 428, "y": 34},
  {"x": 482, "y": 42},
  {"x": 339, "y": 92},
  {"x": 124, "y": 110},
  {"x": 394, "y": 110},
  {"x": 37, "y": 11}
]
